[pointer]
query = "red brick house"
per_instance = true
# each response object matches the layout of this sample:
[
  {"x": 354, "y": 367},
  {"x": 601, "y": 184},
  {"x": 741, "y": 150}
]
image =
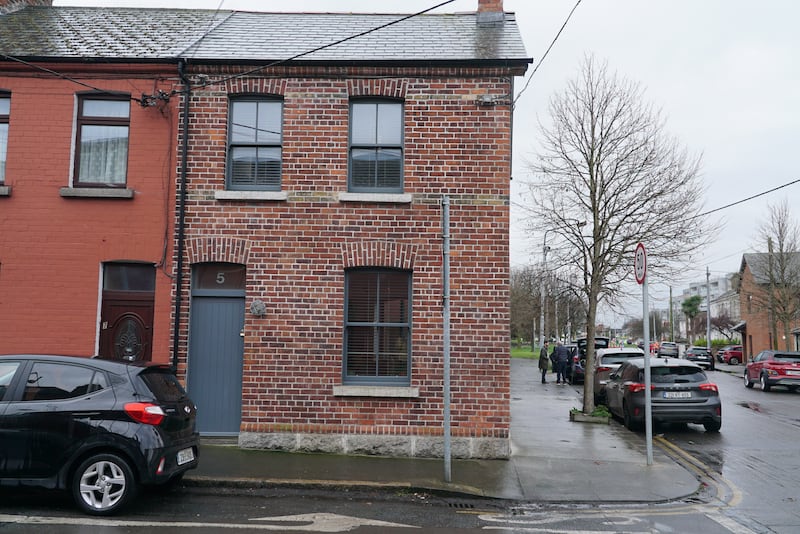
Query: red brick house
[
  {"x": 756, "y": 324},
  {"x": 86, "y": 187},
  {"x": 312, "y": 178}
]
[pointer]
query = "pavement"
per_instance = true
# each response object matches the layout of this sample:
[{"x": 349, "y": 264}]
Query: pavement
[{"x": 553, "y": 460}]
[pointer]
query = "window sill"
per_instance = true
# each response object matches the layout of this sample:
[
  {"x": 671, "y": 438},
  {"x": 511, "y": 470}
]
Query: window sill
[
  {"x": 394, "y": 198},
  {"x": 96, "y": 192},
  {"x": 375, "y": 391},
  {"x": 5, "y": 190},
  {"x": 250, "y": 195}
]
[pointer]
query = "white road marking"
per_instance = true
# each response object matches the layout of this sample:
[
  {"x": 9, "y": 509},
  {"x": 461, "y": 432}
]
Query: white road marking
[{"x": 307, "y": 522}]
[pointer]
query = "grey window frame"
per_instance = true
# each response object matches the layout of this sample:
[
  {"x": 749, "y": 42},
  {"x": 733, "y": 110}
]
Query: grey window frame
[
  {"x": 91, "y": 120},
  {"x": 376, "y": 146},
  {"x": 377, "y": 379},
  {"x": 256, "y": 144}
]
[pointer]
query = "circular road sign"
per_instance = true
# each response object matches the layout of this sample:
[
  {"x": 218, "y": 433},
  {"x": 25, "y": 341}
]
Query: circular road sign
[{"x": 640, "y": 264}]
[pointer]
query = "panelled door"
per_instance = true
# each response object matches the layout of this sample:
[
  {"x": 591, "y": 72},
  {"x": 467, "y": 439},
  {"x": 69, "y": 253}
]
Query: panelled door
[
  {"x": 126, "y": 313},
  {"x": 216, "y": 347}
]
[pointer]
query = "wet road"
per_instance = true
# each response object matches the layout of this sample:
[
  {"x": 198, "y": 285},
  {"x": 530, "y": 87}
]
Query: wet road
[{"x": 756, "y": 451}]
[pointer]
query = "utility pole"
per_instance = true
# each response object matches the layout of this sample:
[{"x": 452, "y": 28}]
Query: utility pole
[
  {"x": 708, "y": 316},
  {"x": 545, "y": 248}
]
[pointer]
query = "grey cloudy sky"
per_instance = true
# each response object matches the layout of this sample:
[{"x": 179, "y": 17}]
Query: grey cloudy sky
[{"x": 724, "y": 73}]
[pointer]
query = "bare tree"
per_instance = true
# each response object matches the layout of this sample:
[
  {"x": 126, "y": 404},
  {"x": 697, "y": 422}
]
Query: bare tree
[
  {"x": 608, "y": 177},
  {"x": 724, "y": 325},
  {"x": 781, "y": 296}
]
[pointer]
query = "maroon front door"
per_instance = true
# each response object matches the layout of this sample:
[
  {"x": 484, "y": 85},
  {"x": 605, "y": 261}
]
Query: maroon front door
[
  {"x": 126, "y": 314},
  {"x": 126, "y": 326}
]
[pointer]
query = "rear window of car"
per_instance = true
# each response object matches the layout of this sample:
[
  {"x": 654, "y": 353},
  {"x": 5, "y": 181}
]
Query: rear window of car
[
  {"x": 675, "y": 375},
  {"x": 787, "y": 358},
  {"x": 163, "y": 383},
  {"x": 619, "y": 357}
]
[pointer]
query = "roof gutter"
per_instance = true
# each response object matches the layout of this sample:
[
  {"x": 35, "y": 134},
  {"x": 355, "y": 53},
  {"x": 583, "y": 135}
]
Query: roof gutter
[{"x": 181, "y": 230}]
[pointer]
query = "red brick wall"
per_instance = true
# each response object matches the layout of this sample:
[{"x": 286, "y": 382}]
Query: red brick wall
[
  {"x": 296, "y": 250},
  {"x": 51, "y": 247}
]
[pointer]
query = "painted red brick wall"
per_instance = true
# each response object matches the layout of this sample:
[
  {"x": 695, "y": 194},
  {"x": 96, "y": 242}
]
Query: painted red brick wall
[
  {"x": 51, "y": 248},
  {"x": 296, "y": 250}
]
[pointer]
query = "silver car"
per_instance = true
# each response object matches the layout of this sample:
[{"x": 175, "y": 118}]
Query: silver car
[{"x": 607, "y": 361}]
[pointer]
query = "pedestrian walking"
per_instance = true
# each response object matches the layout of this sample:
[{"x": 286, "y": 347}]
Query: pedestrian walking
[
  {"x": 544, "y": 361},
  {"x": 561, "y": 358}
]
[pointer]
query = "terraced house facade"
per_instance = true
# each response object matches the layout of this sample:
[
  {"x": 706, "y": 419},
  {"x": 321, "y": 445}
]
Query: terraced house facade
[{"x": 339, "y": 221}]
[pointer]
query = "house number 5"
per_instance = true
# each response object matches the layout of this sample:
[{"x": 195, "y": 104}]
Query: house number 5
[{"x": 220, "y": 278}]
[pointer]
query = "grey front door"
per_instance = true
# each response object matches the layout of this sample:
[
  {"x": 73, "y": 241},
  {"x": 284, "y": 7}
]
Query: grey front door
[
  {"x": 214, "y": 377},
  {"x": 216, "y": 347}
]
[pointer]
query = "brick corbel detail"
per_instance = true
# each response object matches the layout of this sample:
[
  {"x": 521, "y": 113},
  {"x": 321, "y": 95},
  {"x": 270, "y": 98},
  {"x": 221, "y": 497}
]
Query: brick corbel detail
[
  {"x": 262, "y": 86},
  {"x": 379, "y": 254},
  {"x": 217, "y": 249},
  {"x": 389, "y": 88}
]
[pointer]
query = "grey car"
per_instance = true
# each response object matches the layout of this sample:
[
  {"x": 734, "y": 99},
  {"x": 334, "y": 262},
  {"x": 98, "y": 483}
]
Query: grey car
[
  {"x": 680, "y": 393},
  {"x": 668, "y": 349},
  {"x": 608, "y": 360}
]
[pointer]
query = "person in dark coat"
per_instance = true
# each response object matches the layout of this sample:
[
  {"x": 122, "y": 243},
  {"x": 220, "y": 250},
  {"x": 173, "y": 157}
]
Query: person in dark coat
[
  {"x": 544, "y": 361},
  {"x": 561, "y": 358}
]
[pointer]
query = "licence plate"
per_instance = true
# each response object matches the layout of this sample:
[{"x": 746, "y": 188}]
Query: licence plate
[
  {"x": 185, "y": 456},
  {"x": 677, "y": 394},
  {"x": 793, "y": 373}
]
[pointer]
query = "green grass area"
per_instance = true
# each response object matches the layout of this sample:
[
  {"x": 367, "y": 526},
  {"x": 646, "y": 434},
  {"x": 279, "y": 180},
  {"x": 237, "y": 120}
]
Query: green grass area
[{"x": 523, "y": 352}]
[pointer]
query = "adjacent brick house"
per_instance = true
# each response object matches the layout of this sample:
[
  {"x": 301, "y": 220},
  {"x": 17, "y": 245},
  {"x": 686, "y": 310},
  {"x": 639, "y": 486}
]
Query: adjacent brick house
[
  {"x": 309, "y": 182},
  {"x": 86, "y": 187},
  {"x": 755, "y": 326}
]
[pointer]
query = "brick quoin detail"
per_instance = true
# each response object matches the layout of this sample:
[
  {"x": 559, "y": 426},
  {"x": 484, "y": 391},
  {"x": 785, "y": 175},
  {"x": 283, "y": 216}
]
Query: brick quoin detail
[
  {"x": 379, "y": 254},
  {"x": 217, "y": 249}
]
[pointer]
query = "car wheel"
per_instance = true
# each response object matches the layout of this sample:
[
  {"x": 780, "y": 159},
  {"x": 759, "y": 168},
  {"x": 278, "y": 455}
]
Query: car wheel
[
  {"x": 747, "y": 382},
  {"x": 764, "y": 384},
  {"x": 734, "y": 361},
  {"x": 627, "y": 419},
  {"x": 103, "y": 484},
  {"x": 713, "y": 426}
]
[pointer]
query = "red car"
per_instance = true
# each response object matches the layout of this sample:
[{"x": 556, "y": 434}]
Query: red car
[
  {"x": 774, "y": 368},
  {"x": 731, "y": 354}
]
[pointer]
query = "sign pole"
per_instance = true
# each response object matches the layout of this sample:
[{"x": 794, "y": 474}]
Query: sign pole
[{"x": 640, "y": 270}]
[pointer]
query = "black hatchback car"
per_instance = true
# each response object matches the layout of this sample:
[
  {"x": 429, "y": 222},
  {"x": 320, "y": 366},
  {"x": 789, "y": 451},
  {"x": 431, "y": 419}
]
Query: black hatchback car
[
  {"x": 680, "y": 392},
  {"x": 97, "y": 428}
]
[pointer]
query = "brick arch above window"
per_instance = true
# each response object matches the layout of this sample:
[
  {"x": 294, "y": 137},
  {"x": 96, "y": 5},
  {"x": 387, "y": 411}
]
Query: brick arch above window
[
  {"x": 379, "y": 254},
  {"x": 217, "y": 249},
  {"x": 387, "y": 88},
  {"x": 263, "y": 86}
]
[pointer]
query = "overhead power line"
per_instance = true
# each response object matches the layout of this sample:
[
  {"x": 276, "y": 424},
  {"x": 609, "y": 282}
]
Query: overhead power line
[
  {"x": 748, "y": 198},
  {"x": 527, "y": 83}
]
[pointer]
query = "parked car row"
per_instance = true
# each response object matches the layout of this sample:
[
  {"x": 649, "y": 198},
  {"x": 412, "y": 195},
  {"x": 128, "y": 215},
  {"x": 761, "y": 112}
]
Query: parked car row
[{"x": 96, "y": 428}]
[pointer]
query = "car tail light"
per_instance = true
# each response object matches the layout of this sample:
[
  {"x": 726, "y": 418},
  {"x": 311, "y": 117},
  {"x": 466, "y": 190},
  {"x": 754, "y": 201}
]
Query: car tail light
[
  {"x": 709, "y": 387},
  {"x": 603, "y": 369},
  {"x": 636, "y": 387},
  {"x": 145, "y": 412}
]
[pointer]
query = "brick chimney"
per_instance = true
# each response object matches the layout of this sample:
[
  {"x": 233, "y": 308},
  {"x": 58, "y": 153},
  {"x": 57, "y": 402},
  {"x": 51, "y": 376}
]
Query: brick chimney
[
  {"x": 490, "y": 11},
  {"x": 9, "y": 6}
]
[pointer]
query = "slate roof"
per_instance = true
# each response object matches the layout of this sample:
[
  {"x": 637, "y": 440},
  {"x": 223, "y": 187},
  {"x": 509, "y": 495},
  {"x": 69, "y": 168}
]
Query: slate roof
[
  {"x": 125, "y": 34},
  {"x": 759, "y": 265}
]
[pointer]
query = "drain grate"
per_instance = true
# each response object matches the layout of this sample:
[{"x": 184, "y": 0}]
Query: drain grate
[{"x": 462, "y": 505}]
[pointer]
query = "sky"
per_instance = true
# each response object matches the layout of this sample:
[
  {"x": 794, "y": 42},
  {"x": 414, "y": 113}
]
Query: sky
[{"x": 724, "y": 74}]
